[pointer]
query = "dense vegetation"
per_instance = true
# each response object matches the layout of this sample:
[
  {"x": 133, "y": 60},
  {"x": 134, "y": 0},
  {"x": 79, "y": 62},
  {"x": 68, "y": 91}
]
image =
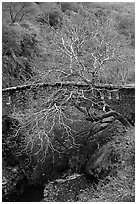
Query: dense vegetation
[
  {"x": 29, "y": 53},
  {"x": 65, "y": 130}
]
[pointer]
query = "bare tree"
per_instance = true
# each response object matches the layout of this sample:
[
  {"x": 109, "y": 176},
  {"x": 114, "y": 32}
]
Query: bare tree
[
  {"x": 84, "y": 47},
  {"x": 122, "y": 67}
]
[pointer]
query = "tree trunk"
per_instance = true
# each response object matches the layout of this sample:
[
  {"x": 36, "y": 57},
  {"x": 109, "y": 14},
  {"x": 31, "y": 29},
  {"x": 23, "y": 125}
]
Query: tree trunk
[{"x": 116, "y": 115}]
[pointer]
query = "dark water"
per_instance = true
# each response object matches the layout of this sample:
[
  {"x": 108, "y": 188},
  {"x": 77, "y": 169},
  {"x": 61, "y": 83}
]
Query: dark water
[{"x": 31, "y": 194}]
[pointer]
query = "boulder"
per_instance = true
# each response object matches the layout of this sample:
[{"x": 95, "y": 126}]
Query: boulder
[
  {"x": 65, "y": 190},
  {"x": 102, "y": 161},
  {"x": 102, "y": 156}
]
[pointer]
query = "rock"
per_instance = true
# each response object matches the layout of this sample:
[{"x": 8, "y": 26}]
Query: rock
[
  {"x": 100, "y": 149},
  {"x": 104, "y": 136},
  {"x": 65, "y": 190},
  {"x": 101, "y": 161}
]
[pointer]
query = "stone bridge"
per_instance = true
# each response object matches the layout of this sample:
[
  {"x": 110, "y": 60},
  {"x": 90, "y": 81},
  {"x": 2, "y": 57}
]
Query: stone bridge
[{"x": 22, "y": 98}]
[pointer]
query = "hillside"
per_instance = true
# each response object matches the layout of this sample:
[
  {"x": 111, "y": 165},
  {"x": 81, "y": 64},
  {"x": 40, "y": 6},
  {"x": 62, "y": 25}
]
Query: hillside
[
  {"x": 68, "y": 114},
  {"x": 27, "y": 53}
]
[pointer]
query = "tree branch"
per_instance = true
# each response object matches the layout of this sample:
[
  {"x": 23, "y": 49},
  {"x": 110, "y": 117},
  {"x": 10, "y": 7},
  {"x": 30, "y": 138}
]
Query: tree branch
[{"x": 117, "y": 116}]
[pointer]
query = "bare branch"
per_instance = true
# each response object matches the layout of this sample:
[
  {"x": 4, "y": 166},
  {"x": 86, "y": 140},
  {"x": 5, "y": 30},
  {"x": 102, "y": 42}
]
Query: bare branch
[{"x": 117, "y": 116}]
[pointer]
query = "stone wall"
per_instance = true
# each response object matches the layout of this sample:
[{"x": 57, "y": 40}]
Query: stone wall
[
  {"x": 121, "y": 99},
  {"x": 125, "y": 104}
]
